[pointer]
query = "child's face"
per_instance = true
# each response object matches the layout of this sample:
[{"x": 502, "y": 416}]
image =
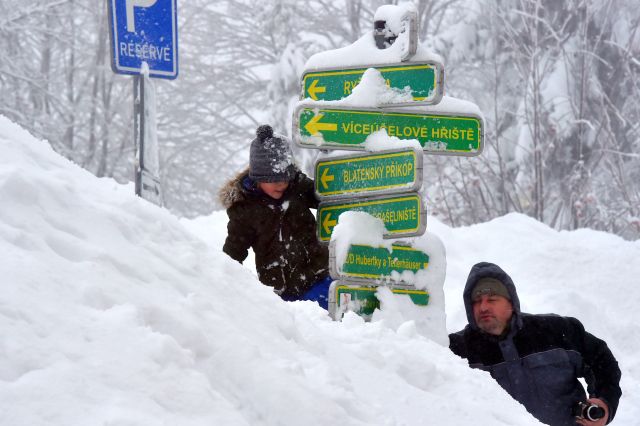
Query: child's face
[{"x": 274, "y": 190}]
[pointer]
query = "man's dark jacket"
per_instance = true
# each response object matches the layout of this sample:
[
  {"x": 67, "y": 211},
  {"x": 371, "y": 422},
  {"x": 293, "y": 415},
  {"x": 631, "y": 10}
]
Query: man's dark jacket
[
  {"x": 281, "y": 232},
  {"x": 539, "y": 359}
]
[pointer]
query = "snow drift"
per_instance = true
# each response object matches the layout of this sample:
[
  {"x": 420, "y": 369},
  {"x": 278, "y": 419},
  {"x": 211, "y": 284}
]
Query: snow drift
[{"x": 112, "y": 311}]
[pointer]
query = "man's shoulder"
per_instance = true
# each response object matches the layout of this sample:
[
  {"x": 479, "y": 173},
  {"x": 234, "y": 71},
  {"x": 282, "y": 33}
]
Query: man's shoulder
[
  {"x": 550, "y": 320},
  {"x": 552, "y": 329},
  {"x": 458, "y": 335},
  {"x": 457, "y": 341}
]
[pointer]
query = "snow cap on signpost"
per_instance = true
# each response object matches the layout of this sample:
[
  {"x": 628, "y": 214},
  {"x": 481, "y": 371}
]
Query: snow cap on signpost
[{"x": 397, "y": 23}]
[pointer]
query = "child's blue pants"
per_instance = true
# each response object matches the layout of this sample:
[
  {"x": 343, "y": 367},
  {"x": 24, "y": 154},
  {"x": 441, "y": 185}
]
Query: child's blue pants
[{"x": 319, "y": 292}]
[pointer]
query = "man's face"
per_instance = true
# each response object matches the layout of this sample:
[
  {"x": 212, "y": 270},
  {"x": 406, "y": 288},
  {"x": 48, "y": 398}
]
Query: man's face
[
  {"x": 492, "y": 313},
  {"x": 274, "y": 190}
]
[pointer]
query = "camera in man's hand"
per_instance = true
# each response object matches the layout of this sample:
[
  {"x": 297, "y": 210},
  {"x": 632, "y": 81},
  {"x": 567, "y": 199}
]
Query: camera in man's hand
[{"x": 584, "y": 410}]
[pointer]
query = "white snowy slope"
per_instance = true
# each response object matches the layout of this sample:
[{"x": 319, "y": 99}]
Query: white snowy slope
[
  {"x": 114, "y": 312},
  {"x": 111, "y": 312}
]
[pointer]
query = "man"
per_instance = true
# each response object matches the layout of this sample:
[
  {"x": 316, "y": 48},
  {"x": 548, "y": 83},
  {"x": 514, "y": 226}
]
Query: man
[{"x": 537, "y": 359}]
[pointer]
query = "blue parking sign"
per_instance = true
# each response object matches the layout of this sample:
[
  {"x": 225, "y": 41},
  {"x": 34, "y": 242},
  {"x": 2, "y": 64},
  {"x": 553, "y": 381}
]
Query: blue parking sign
[{"x": 144, "y": 31}]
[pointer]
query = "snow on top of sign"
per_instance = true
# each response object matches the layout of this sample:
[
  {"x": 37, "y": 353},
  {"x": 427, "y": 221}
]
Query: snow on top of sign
[
  {"x": 364, "y": 229},
  {"x": 396, "y": 311},
  {"x": 433, "y": 246},
  {"x": 451, "y": 105},
  {"x": 373, "y": 91},
  {"x": 381, "y": 141},
  {"x": 357, "y": 228},
  {"x": 363, "y": 52},
  {"x": 393, "y": 14}
]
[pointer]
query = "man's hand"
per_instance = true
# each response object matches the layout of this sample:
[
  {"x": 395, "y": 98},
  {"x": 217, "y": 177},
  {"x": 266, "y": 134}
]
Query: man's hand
[{"x": 602, "y": 421}]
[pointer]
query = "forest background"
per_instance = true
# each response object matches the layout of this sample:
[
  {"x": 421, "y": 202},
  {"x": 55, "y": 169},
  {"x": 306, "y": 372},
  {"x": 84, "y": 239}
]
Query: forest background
[{"x": 558, "y": 84}]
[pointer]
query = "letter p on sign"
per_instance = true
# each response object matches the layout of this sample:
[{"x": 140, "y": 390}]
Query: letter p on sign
[{"x": 131, "y": 23}]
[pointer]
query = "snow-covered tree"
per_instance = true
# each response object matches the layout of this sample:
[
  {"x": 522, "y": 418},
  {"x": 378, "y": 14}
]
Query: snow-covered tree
[{"x": 557, "y": 83}]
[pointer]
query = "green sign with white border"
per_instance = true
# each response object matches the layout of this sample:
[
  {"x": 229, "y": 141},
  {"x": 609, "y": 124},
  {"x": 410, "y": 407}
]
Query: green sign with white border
[
  {"x": 404, "y": 215},
  {"x": 382, "y": 172},
  {"x": 326, "y": 127},
  {"x": 378, "y": 263},
  {"x": 425, "y": 80}
]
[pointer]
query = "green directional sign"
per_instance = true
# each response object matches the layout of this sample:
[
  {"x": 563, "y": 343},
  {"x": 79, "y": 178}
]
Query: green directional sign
[
  {"x": 383, "y": 172},
  {"x": 348, "y": 128},
  {"x": 362, "y": 299},
  {"x": 403, "y": 215},
  {"x": 425, "y": 80},
  {"x": 367, "y": 262}
]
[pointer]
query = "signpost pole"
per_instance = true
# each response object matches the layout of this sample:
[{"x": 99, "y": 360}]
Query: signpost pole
[
  {"x": 382, "y": 183},
  {"x": 147, "y": 172},
  {"x": 138, "y": 130},
  {"x": 144, "y": 43}
]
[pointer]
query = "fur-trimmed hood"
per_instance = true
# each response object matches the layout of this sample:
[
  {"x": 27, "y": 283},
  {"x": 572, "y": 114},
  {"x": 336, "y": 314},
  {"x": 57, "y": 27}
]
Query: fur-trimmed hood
[{"x": 232, "y": 191}]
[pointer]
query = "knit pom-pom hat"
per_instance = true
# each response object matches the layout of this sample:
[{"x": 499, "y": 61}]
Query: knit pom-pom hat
[{"x": 270, "y": 159}]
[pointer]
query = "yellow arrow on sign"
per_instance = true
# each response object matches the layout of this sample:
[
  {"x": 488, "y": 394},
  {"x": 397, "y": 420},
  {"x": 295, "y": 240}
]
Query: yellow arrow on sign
[
  {"x": 314, "y": 89},
  {"x": 313, "y": 126},
  {"x": 327, "y": 223},
  {"x": 326, "y": 178}
]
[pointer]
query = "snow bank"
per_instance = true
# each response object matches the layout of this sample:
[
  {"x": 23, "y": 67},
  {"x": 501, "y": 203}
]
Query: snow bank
[{"x": 112, "y": 312}]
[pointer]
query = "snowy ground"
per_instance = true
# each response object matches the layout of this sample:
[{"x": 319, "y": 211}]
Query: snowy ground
[{"x": 114, "y": 312}]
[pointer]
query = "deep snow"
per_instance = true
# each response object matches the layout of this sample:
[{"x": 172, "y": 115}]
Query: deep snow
[{"x": 115, "y": 312}]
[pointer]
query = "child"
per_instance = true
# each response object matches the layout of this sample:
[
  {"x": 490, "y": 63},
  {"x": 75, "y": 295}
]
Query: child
[{"x": 268, "y": 208}]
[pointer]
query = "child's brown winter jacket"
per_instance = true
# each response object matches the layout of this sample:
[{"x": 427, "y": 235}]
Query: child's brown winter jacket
[{"x": 282, "y": 233}]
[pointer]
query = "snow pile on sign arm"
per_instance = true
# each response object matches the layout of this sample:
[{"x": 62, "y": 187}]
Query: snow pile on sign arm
[
  {"x": 359, "y": 228},
  {"x": 111, "y": 312},
  {"x": 355, "y": 228},
  {"x": 373, "y": 92}
]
